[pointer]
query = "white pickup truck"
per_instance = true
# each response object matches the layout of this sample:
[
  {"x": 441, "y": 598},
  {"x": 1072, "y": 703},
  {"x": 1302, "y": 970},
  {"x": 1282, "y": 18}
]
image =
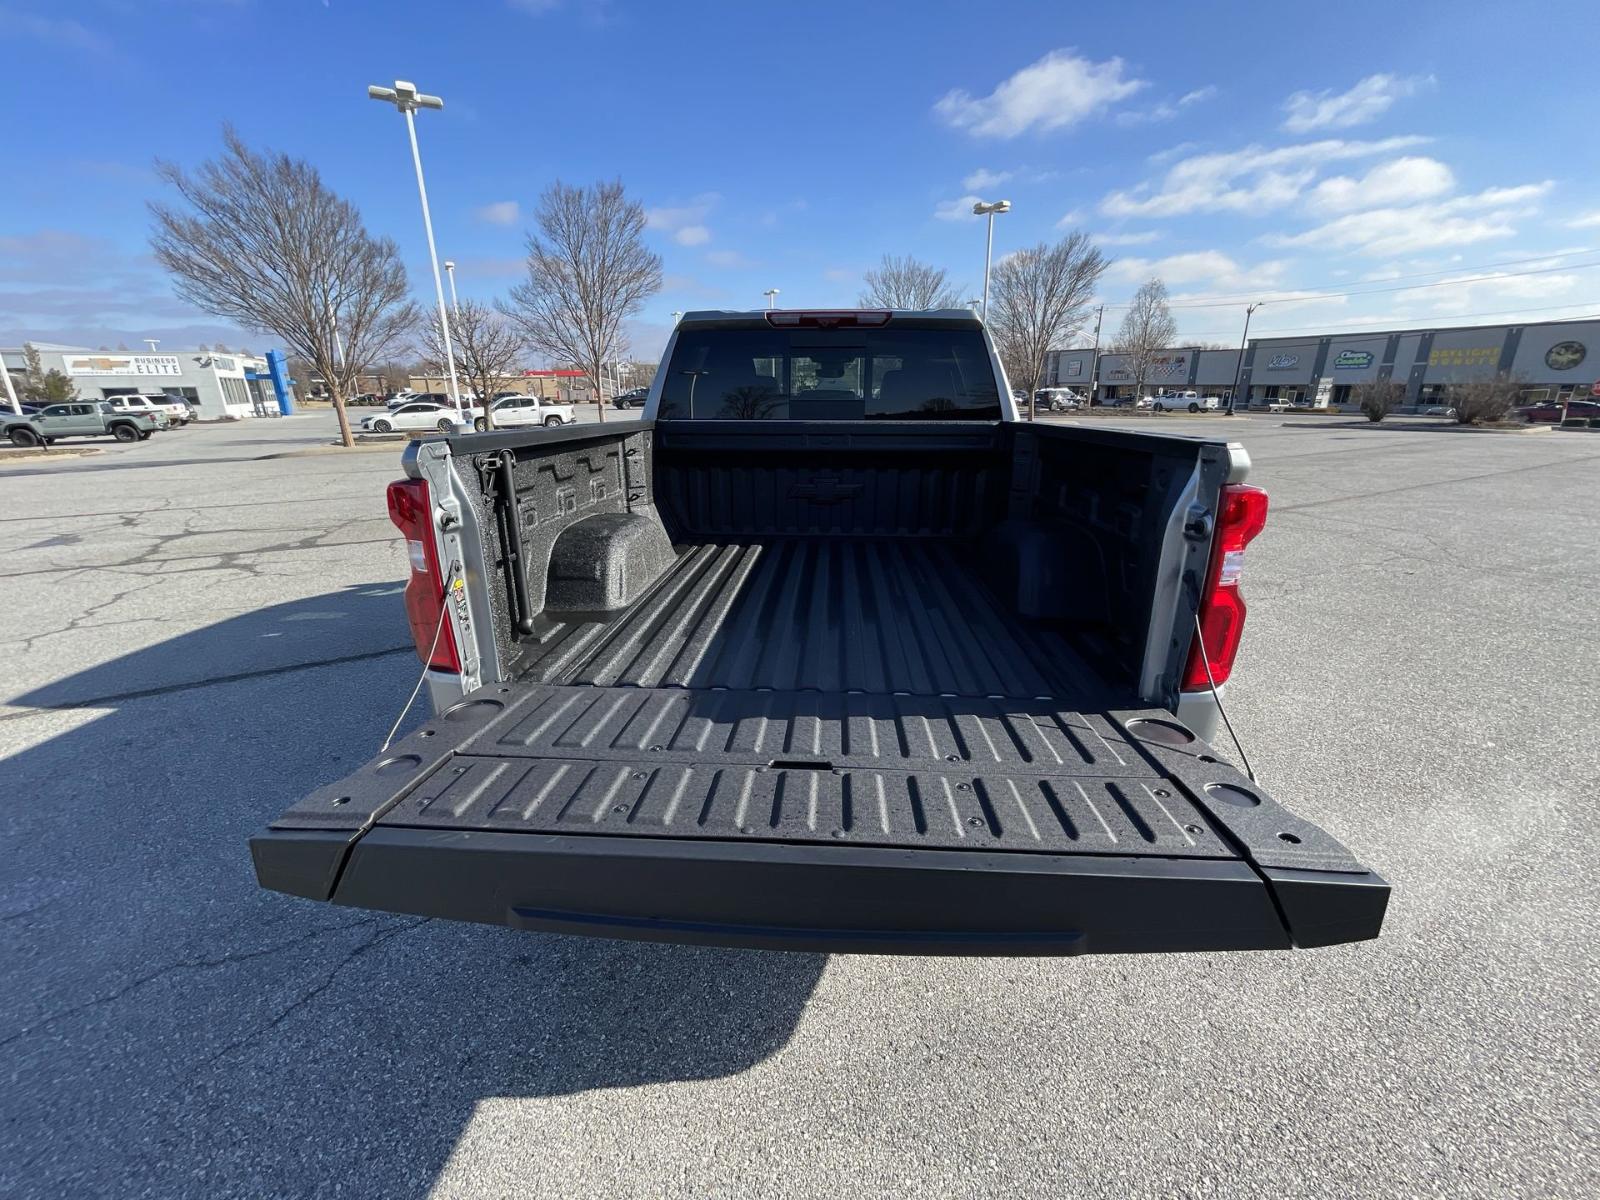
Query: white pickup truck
[
  {"x": 829, "y": 651},
  {"x": 170, "y": 410}
]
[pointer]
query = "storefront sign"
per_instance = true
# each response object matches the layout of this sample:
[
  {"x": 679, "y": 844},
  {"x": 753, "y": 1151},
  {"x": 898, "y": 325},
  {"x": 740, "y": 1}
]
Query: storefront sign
[
  {"x": 1563, "y": 356},
  {"x": 1465, "y": 356},
  {"x": 1283, "y": 362},
  {"x": 121, "y": 364},
  {"x": 1352, "y": 360},
  {"x": 1169, "y": 366}
]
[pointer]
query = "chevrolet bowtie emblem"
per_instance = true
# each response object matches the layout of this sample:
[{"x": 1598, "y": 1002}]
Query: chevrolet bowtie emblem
[{"x": 824, "y": 489}]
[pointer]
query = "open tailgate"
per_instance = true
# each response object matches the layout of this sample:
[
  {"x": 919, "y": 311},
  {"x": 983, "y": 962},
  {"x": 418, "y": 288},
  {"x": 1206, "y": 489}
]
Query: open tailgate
[{"x": 832, "y": 822}]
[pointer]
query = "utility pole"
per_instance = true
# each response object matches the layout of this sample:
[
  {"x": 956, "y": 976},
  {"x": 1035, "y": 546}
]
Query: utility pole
[
  {"x": 1094, "y": 358},
  {"x": 1238, "y": 370}
]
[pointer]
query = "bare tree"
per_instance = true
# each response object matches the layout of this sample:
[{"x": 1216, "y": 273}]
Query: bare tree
[
  {"x": 1486, "y": 401},
  {"x": 1038, "y": 300},
  {"x": 488, "y": 348},
  {"x": 640, "y": 374},
  {"x": 907, "y": 283},
  {"x": 588, "y": 271},
  {"x": 1148, "y": 327},
  {"x": 262, "y": 241},
  {"x": 1378, "y": 398}
]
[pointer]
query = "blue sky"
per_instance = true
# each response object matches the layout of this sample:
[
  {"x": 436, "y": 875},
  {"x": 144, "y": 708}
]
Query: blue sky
[{"x": 1241, "y": 152}]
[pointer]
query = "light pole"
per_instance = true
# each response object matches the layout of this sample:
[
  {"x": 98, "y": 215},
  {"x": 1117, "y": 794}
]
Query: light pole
[
  {"x": 677, "y": 315},
  {"x": 771, "y": 294},
  {"x": 152, "y": 343},
  {"x": 450, "y": 270},
  {"x": 405, "y": 97},
  {"x": 11, "y": 391},
  {"x": 981, "y": 209},
  {"x": 1238, "y": 370}
]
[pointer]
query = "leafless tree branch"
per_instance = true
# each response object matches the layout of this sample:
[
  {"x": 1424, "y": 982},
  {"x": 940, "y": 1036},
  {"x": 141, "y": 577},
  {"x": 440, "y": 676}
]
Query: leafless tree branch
[
  {"x": 1038, "y": 300},
  {"x": 1148, "y": 327},
  {"x": 907, "y": 283},
  {"x": 260, "y": 240},
  {"x": 588, "y": 271},
  {"x": 488, "y": 348}
]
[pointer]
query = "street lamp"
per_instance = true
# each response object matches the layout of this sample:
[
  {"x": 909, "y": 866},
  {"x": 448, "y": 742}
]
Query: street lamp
[
  {"x": 983, "y": 209},
  {"x": 152, "y": 343},
  {"x": 677, "y": 315},
  {"x": 450, "y": 270},
  {"x": 1238, "y": 370},
  {"x": 405, "y": 97},
  {"x": 770, "y": 294}
]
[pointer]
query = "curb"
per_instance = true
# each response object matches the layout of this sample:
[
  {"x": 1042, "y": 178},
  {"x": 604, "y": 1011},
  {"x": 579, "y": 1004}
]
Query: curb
[
  {"x": 19, "y": 453},
  {"x": 1440, "y": 426}
]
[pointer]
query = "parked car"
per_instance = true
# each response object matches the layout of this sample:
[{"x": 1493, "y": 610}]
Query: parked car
[
  {"x": 79, "y": 418},
  {"x": 172, "y": 408},
  {"x": 1057, "y": 399},
  {"x": 1554, "y": 410},
  {"x": 633, "y": 398},
  {"x": 1186, "y": 401},
  {"x": 520, "y": 411},
  {"x": 420, "y": 414},
  {"x": 1437, "y": 410},
  {"x": 677, "y": 709}
]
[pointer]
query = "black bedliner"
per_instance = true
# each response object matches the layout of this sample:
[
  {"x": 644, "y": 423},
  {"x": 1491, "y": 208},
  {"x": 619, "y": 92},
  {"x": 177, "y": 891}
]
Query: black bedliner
[{"x": 824, "y": 744}]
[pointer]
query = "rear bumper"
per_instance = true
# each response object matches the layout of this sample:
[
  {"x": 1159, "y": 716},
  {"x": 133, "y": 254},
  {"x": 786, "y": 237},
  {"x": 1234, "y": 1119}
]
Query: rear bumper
[{"x": 835, "y": 899}]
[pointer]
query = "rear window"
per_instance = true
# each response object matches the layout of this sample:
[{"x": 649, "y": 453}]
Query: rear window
[{"x": 852, "y": 374}]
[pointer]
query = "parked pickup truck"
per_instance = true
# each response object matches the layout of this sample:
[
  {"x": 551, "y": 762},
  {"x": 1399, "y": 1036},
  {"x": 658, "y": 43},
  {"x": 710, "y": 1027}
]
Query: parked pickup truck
[
  {"x": 828, "y": 651},
  {"x": 78, "y": 418},
  {"x": 167, "y": 409}
]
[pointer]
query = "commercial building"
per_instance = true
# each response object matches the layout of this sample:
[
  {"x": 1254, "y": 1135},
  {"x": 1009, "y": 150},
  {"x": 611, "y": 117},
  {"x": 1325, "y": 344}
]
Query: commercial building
[
  {"x": 1551, "y": 359},
  {"x": 217, "y": 386}
]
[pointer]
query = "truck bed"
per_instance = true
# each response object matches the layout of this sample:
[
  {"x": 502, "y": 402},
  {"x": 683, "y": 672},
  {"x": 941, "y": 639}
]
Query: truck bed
[{"x": 845, "y": 744}]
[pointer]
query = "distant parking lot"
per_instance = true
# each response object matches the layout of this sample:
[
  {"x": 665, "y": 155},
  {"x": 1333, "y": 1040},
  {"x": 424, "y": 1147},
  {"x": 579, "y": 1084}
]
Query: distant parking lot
[{"x": 202, "y": 631}]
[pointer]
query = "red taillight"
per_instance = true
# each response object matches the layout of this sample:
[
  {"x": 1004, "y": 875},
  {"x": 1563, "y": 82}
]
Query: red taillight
[
  {"x": 411, "y": 509},
  {"x": 1222, "y": 610},
  {"x": 825, "y": 319}
]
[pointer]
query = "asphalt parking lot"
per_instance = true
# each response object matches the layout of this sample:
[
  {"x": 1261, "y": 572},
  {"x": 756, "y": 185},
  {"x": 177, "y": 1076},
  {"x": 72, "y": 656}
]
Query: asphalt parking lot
[{"x": 199, "y": 633}]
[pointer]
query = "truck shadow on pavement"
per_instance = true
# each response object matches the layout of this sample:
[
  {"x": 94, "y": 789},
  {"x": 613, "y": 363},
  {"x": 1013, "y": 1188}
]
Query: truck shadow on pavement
[{"x": 171, "y": 1028}]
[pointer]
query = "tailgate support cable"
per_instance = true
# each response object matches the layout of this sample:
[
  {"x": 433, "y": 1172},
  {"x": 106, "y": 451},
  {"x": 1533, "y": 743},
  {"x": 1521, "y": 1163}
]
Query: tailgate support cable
[
  {"x": 427, "y": 659},
  {"x": 1205, "y": 657}
]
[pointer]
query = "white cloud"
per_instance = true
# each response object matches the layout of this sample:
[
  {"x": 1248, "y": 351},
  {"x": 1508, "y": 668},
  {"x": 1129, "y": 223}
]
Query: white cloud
[
  {"x": 1060, "y": 89},
  {"x": 1197, "y": 96},
  {"x": 985, "y": 178},
  {"x": 957, "y": 210},
  {"x": 1398, "y": 181},
  {"x": 1458, "y": 221},
  {"x": 1126, "y": 239},
  {"x": 1070, "y": 218},
  {"x": 1212, "y": 268},
  {"x": 1364, "y": 102},
  {"x": 65, "y": 32},
  {"x": 1589, "y": 220},
  {"x": 730, "y": 259},
  {"x": 501, "y": 212},
  {"x": 685, "y": 223},
  {"x": 1253, "y": 180},
  {"x": 1146, "y": 116}
]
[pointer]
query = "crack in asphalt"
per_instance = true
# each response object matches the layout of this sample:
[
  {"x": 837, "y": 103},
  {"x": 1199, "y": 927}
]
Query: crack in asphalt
[
  {"x": 199, "y": 963},
  {"x": 295, "y": 1005}
]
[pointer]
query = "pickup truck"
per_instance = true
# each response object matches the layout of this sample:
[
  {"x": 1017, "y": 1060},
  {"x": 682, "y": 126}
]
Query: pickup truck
[
  {"x": 828, "y": 651},
  {"x": 77, "y": 418},
  {"x": 167, "y": 408}
]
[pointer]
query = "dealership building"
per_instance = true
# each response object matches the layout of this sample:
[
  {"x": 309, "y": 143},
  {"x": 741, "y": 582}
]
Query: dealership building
[
  {"x": 218, "y": 386},
  {"x": 1551, "y": 359}
]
